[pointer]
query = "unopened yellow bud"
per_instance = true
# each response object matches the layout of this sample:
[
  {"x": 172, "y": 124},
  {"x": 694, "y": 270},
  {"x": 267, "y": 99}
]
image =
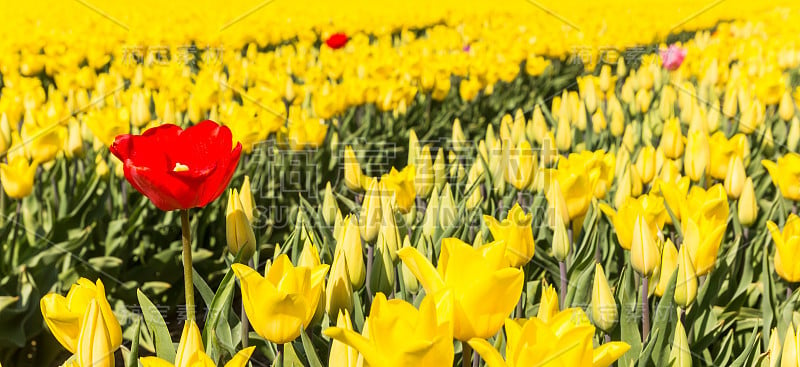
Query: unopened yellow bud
[
  {"x": 686, "y": 286},
  {"x": 748, "y": 205},
  {"x": 644, "y": 252},
  {"x": 604, "y": 308},
  {"x": 369, "y": 218},
  {"x": 239, "y": 232},
  {"x": 734, "y": 180}
]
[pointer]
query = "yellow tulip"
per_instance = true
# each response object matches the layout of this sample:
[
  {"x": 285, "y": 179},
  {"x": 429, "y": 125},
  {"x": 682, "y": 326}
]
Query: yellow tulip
[
  {"x": 787, "y": 244},
  {"x": 793, "y": 137},
  {"x": 604, "y": 308},
  {"x": 598, "y": 167},
  {"x": 95, "y": 348},
  {"x": 410, "y": 282},
  {"x": 353, "y": 175},
  {"x": 485, "y": 289},
  {"x": 401, "y": 184},
  {"x": 734, "y": 180},
  {"x": 786, "y": 107},
  {"x": 563, "y": 135},
  {"x": 516, "y": 232},
  {"x": 644, "y": 252},
  {"x": 570, "y": 185},
  {"x": 747, "y": 205},
  {"x": 349, "y": 243},
  {"x": 17, "y": 177},
  {"x": 704, "y": 219},
  {"x": 309, "y": 258},
  {"x": 401, "y": 335},
  {"x": 238, "y": 231},
  {"x": 329, "y": 207},
  {"x": 785, "y": 175},
  {"x": 284, "y": 301},
  {"x": 561, "y": 243},
  {"x": 73, "y": 146},
  {"x": 65, "y": 316},
  {"x": 651, "y": 206},
  {"x": 548, "y": 305},
  {"x": 191, "y": 353},
  {"x": 565, "y": 340},
  {"x": 370, "y": 216},
  {"x": 721, "y": 150},
  {"x": 674, "y": 194}
]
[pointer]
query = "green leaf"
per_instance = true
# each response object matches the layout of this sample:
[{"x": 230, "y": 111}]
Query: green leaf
[
  {"x": 311, "y": 354},
  {"x": 218, "y": 307},
  {"x": 158, "y": 328},
  {"x": 133, "y": 356}
]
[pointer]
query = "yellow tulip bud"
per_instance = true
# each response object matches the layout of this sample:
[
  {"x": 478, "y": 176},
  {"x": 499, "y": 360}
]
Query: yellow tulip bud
[
  {"x": 599, "y": 123},
  {"x": 459, "y": 138},
  {"x": 672, "y": 139},
  {"x": 748, "y": 205},
  {"x": 520, "y": 167},
  {"x": 447, "y": 208},
  {"x": 95, "y": 347},
  {"x": 646, "y": 164},
  {"x": 473, "y": 177},
  {"x": 431, "y": 221},
  {"x": 774, "y": 349},
  {"x": 100, "y": 166},
  {"x": 793, "y": 137},
  {"x": 617, "y": 123},
  {"x": 785, "y": 256},
  {"x": 686, "y": 286},
  {"x": 604, "y": 308},
  {"x": 669, "y": 262},
  {"x": 561, "y": 244},
  {"x": 413, "y": 147},
  {"x": 629, "y": 138},
  {"x": 238, "y": 231},
  {"x": 734, "y": 180},
  {"x": 537, "y": 126},
  {"x": 581, "y": 122},
  {"x": 680, "y": 355},
  {"x": 352, "y": 170},
  {"x": 382, "y": 277},
  {"x": 424, "y": 178},
  {"x": 439, "y": 170},
  {"x": 339, "y": 293},
  {"x": 697, "y": 155},
  {"x": 517, "y": 233},
  {"x": 786, "y": 107},
  {"x": 409, "y": 280},
  {"x": 563, "y": 135},
  {"x": 349, "y": 242},
  {"x": 621, "y": 69},
  {"x": 790, "y": 348},
  {"x": 246, "y": 196},
  {"x": 329, "y": 206},
  {"x": 369, "y": 218},
  {"x": 644, "y": 252}
]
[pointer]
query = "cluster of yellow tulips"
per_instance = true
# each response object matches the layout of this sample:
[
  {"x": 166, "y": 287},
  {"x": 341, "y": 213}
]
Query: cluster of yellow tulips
[{"x": 658, "y": 192}]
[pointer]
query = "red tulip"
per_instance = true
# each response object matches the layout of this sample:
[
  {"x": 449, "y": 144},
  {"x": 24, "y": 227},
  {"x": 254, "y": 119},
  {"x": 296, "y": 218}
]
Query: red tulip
[
  {"x": 176, "y": 168},
  {"x": 336, "y": 41}
]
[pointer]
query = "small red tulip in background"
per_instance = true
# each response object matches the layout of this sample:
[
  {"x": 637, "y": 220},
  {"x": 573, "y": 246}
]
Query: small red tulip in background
[
  {"x": 336, "y": 41},
  {"x": 176, "y": 168}
]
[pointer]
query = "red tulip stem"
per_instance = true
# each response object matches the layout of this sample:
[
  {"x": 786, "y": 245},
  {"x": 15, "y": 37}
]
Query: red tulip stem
[
  {"x": 466, "y": 355},
  {"x": 187, "y": 264},
  {"x": 645, "y": 309}
]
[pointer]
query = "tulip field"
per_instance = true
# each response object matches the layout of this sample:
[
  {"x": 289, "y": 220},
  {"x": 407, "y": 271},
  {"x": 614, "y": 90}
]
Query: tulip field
[{"x": 399, "y": 183}]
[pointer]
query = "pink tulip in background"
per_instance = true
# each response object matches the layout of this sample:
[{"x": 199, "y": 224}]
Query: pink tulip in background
[{"x": 672, "y": 57}]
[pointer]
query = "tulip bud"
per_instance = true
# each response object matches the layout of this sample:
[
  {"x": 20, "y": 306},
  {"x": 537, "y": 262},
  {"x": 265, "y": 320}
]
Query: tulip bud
[
  {"x": 309, "y": 258},
  {"x": 100, "y": 166},
  {"x": 352, "y": 170},
  {"x": 382, "y": 276},
  {"x": 459, "y": 138},
  {"x": 447, "y": 208},
  {"x": 439, "y": 170},
  {"x": 697, "y": 155},
  {"x": 424, "y": 178},
  {"x": 369, "y": 218},
  {"x": 734, "y": 180},
  {"x": 748, "y": 205},
  {"x": 341, "y": 354},
  {"x": 561, "y": 244},
  {"x": 672, "y": 139},
  {"x": 604, "y": 307},
  {"x": 563, "y": 135},
  {"x": 644, "y": 252},
  {"x": 617, "y": 123},
  {"x": 789, "y": 353},
  {"x": 680, "y": 355},
  {"x": 621, "y": 69},
  {"x": 246, "y": 196},
  {"x": 646, "y": 164},
  {"x": 793, "y": 137},
  {"x": 94, "y": 342},
  {"x": 669, "y": 262},
  {"x": 537, "y": 126},
  {"x": 329, "y": 206},
  {"x": 628, "y": 138},
  {"x": 431, "y": 220},
  {"x": 74, "y": 144},
  {"x": 473, "y": 176},
  {"x": 786, "y": 108},
  {"x": 505, "y": 128},
  {"x": 686, "y": 286},
  {"x": 599, "y": 123},
  {"x": 349, "y": 242},
  {"x": 239, "y": 233},
  {"x": 556, "y": 204},
  {"x": 339, "y": 294},
  {"x": 581, "y": 122},
  {"x": 409, "y": 280}
]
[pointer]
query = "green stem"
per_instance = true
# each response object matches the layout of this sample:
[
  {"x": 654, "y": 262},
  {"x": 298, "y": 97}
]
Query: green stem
[
  {"x": 187, "y": 264},
  {"x": 466, "y": 355},
  {"x": 279, "y": 356},
  {"x": 245, "y": 321},
  {"x": 645, "y": 309},
  {"x": 562, "y": 267}
]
